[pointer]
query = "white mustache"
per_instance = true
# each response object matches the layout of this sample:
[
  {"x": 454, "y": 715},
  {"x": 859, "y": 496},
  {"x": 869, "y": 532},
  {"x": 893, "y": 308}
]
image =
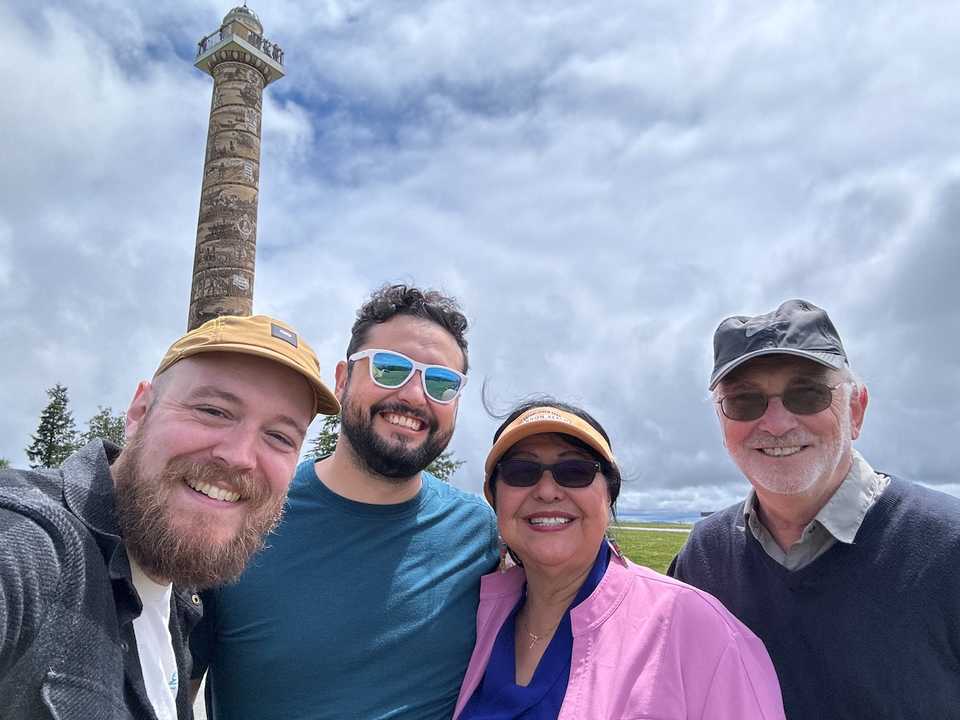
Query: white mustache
[{"x": 762, "y": 439}]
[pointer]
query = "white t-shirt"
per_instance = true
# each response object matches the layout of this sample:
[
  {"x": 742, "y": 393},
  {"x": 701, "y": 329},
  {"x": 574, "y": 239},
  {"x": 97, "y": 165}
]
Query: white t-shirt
[{"x": 154, "y": 644}]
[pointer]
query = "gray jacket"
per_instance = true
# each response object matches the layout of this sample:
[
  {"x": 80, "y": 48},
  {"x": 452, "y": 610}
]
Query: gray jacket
[{"x": 67, "y": 602}]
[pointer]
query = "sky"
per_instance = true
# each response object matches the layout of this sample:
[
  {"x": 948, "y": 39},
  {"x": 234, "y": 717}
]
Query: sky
[{"x": 598, "y": 183}]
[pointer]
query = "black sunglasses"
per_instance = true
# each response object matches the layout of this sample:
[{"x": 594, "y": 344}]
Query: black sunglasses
[
  {"x": 806, "y": 399},
  {"x": 567, "y": 473}
]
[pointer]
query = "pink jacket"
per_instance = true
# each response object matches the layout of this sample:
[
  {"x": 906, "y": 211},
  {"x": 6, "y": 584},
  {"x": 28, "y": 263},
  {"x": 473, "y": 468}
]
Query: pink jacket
[{"x": 645, "y": 647}]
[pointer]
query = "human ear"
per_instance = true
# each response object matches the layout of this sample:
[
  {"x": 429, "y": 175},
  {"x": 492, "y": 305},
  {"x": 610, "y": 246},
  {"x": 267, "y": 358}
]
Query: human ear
[
  {"x": 341, "y": 376},
  {"x": 139, "y": 406},
  {"x": 858, "y": 409}
]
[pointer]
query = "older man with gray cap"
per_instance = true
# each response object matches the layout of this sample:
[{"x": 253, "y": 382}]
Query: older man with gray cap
[
  {"x": 100, "y": 558},
  {"x": 848, "y": 575}
]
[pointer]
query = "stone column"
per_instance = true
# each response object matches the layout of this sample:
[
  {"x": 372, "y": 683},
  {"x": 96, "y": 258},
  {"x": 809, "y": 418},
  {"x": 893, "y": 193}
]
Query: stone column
[
  {"x": 242, "y": 62},
  {"x": 223, "y": 265}
]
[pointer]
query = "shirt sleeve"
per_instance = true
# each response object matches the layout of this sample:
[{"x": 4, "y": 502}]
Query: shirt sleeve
[
  {"x": 29, "y": 577},
  {"x": 674, "y": 569},
  {"x": 493, "y": 547},
  {"x": 744, "y": 684}
]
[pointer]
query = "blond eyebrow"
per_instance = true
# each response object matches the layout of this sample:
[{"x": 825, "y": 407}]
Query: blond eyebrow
[{"x": 211, "y": 391}]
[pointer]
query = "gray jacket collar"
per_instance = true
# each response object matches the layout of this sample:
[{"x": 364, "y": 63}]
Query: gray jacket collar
[{"x": 90, "y": 498}]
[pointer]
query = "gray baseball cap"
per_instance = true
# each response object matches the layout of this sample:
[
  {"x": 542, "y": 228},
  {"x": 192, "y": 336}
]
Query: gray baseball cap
[{"x": 797, "y": 327}]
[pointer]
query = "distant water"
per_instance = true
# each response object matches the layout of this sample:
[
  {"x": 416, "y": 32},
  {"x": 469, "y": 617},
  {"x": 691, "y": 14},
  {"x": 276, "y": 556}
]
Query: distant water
[{"x": 666, "y": 516}]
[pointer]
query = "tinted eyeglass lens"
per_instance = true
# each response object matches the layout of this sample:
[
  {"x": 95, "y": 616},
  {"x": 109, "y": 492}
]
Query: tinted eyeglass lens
[
  {"x": 568, "y": 473},
  {"x": 575, "y": 473},
  {"x": 442, "y": 384},
  {"x": 807, "y": 399},
  {"x": 390, "y": 370},
  {"x": 520, "y": 473},
  {"x": 800, "y": 400},
  {"x": 744, "y": 406}
]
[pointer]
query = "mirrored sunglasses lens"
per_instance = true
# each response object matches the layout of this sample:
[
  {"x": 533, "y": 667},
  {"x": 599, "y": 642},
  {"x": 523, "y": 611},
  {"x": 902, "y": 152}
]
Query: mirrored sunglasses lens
[
  {"x": 442, "y": 384},
  {"x": 390, "y": 370},
  {"x": 519, "y": 473},
  {"x": 575, "y": 473},
  {"x": 744, "y": 406},
  {"x": 807, "y": 400}
]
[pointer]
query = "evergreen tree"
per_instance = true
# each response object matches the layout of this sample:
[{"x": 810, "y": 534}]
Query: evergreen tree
[
  {"x": 4, "y": 463},
  {"x": 445, "y": 466},
  {"x": 56, "y": 436},
  {"x": 105, "y": 425},
  {"x": 325, "y": 441}
]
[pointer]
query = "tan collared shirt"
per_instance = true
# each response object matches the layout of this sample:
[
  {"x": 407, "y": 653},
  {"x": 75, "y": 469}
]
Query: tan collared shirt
[{"x": 838, "y": 520}]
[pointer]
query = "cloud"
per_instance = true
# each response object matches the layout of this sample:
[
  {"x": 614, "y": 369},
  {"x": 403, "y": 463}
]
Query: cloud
[{"x": 599, "y": 184}]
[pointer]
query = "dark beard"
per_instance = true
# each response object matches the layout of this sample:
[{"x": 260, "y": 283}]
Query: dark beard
[
  {"x": 181, "y": 551},
  {"x": 392, "y": 460}
]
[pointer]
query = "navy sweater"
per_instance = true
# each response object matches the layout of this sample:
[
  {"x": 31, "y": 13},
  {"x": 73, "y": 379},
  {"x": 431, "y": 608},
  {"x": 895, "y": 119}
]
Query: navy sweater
[{"x": 868, "y": 630}]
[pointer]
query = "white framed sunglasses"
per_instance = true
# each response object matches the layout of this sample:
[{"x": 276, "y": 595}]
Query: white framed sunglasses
[{"x": 390, "y": 369}]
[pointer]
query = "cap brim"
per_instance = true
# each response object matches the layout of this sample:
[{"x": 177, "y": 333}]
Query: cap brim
[
  {"x": 325, "y": 401},
  {"x": 539, "y": 427},
  {"x": 830, "y": 360}
]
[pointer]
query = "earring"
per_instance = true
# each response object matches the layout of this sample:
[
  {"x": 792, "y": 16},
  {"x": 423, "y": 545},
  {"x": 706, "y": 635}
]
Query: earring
[
  {"x": 614, "y": 545},
  {"x": 503, "y": 566},
  {"x": 507, "y": 558}
]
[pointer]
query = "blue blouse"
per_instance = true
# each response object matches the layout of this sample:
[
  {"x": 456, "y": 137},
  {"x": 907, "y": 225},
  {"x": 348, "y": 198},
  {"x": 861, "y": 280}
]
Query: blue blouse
[{"x": 498, "y": 697}]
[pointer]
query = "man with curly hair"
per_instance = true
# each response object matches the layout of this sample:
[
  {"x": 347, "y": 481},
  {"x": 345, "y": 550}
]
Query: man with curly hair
[{"x": 364, "y": 604}]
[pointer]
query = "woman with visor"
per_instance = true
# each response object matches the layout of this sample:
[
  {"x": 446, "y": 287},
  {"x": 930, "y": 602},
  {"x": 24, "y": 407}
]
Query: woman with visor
[{"x": 575, "y": 630}]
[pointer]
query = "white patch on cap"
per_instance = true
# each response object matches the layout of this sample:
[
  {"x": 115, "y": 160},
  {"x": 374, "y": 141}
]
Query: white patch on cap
[
  {"x": 283, "y": 334},
  {"x": 545, "y": 415}
]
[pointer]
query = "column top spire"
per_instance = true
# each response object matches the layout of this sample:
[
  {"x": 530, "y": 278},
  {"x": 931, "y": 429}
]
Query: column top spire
[
  {"x": 240, "y": 39},
  {"x": 244, "y": 15}
]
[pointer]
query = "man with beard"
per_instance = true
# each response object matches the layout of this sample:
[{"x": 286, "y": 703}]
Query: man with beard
[
  {"x": 849, "y": 576},
  {"x": 100, "y": 558},
  {"x": 364, "y": 604}
]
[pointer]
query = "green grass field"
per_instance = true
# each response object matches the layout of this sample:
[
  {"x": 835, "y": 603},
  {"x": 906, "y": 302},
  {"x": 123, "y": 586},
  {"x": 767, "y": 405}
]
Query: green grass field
[{"x": 650, "y": 547}]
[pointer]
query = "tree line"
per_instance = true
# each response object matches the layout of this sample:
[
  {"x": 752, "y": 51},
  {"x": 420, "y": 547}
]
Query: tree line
[{"x": 57, "y": 436}]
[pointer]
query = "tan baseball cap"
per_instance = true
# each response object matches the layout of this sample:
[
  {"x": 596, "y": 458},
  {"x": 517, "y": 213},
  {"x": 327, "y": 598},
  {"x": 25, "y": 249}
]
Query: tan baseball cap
[
  {"x": 258, "y": 335},
  {"x": 537, "y": 421}
]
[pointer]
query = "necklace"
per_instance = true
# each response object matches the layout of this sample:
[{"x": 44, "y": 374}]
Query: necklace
[{"x": 535, "y": 637}]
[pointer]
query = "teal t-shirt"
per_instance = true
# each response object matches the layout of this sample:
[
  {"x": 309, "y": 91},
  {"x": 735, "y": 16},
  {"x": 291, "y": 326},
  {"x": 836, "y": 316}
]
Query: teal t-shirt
[{"x": 352, "y": 610}]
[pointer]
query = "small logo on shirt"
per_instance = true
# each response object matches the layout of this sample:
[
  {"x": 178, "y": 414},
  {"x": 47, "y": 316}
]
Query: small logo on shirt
[{"x": 174, "y": 683}]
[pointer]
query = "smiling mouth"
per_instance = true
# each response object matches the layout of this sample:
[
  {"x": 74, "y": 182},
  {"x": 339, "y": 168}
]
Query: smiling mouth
[
  {"x": 549, "y": 521},
  {"x": 781, "y": 451},
  {"x": 404, "y": 421},
  {"x": 212, "y": 491}
]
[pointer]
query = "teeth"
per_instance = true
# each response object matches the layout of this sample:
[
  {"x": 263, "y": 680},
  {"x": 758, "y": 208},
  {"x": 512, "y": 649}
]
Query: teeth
[
  {"x": 781, "y": 451},
  {"x": 214, "y": 492},
  {"x": 549, "y": 521},
  {"x": 403, "y": 421}
]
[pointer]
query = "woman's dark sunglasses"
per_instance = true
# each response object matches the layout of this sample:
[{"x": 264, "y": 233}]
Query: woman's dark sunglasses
[
  {"x": 567, "y": 473},
  {"x": 806, "y": 399}
]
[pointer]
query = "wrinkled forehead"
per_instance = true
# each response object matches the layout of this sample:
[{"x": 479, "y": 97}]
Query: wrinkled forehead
[{"x": 777, "y": 368}]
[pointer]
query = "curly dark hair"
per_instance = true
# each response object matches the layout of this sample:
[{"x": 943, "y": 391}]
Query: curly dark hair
[
  {"x": 610, "y": 471},
  {"x": 391, "y": 300}
]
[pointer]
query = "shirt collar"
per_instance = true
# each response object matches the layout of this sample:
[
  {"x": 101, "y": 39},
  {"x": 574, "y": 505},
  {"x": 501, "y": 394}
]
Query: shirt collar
[
  {"x": 843, "y": 514},
  {"x": 88, "y": 492}
]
